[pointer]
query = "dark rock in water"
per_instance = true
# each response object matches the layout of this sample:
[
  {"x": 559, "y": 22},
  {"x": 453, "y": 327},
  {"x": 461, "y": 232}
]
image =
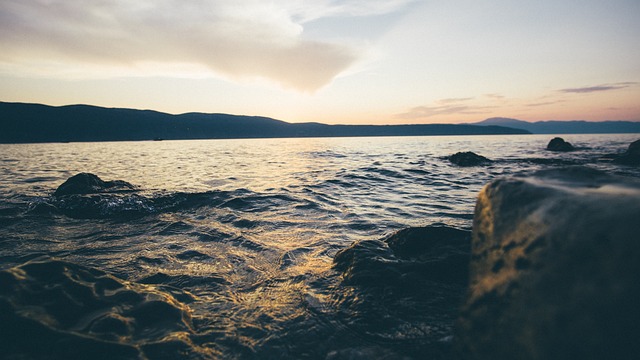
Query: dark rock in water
[
  {"x": 405, "y": 288},
  {"x": 554, "y": 269},
  {"x": 634, "y": 148},
  {"x": 439, "y": 252},
  {"x": 468, "y": 158},
  {"x": 558, "y": 144},
  {"x": 86, "y": 183},
  {"x": 56, "y": 309},
  {"x": 631, "y": 156},
  {"x": 424, "y": 243}
]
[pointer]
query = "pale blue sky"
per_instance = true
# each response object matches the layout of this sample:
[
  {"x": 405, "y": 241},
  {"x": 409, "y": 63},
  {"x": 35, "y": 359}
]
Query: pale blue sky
[{"x": 348, "y": 61}]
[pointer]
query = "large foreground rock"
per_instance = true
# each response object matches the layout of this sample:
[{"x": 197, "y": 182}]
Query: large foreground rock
[{"x": 555, "y": 269}]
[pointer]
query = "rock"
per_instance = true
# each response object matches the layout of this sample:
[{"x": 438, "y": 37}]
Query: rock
[
  {"x": 558, "y": 144},
  {"x": 438, "y": 252},
  {"x": 437, "y": 241},
  {"x": 554, "y": 269},
  {"x": 631, "y": 156},
  {"x": 468, "y": 158},
  {"x": 634, "y": 148},
  {"x": 86, "y": 183},
  {"x": 405, "y": 288}
]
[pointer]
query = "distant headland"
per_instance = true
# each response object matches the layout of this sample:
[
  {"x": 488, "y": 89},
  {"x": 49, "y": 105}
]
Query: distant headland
[
  {"x": 567, "y": 127},
  {"x": 29, "y": 123}
]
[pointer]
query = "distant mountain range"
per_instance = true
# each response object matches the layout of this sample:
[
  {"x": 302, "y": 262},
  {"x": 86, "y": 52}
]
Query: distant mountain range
[
  {"x": 27, "y": 123},
  {"x": 566, "y": 127}
]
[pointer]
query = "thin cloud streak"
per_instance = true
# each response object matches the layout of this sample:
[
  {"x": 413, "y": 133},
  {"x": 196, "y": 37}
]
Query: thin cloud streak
[
  {"x": 544, "y": 103},
  {"x": 598, "y": 88},
  {"x": 429, "y": 111},
  {"x": 453, "y": 100},
  {"x": 240, "y": 40}
]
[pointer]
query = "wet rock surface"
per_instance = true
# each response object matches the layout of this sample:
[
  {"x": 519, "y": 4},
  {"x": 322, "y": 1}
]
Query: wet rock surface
[
  {"x": 468, "y": 158},
  {"x": 416, "y": 277},
  {"x": 554, "y": 269},
  {"x": 559, "y": 144},
  {"x": 87, "y": 183},
  {"x": 631, "y": 156}
]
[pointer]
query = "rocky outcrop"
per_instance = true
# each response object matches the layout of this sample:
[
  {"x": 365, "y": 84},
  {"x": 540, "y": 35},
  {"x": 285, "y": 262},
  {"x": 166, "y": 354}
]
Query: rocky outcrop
[
  {"x": 468, "y": 158},
  {"x": 87, "y": 183},
  {"x": 554, "y": 269},
  {"x": 558, "y": 144},
  {"x": 631, "y": 156}
]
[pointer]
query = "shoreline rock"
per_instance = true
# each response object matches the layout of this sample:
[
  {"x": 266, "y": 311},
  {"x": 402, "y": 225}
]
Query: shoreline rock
[
  {"x": 395, "y": 287},
  {"x": 559, "y": 144},
  {"x": 468, "y": 158},
  {"x": 87, "y": 183},
  {"x": 554, "y": 266},
  {"x": 631, "y": 156}
]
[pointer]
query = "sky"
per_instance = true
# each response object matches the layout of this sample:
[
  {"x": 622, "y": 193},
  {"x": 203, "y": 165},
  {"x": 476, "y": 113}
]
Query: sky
[{"x": 329, "y": 61}]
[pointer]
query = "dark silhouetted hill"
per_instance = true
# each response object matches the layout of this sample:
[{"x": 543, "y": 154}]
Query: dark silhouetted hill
[
  {"x": 567, "y": 127},
  {"x": 25, "y": 123}
]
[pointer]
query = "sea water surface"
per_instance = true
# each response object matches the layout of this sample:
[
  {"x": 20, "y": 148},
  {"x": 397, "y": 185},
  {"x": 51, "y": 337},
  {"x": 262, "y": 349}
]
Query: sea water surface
[{"x": 226, "y": 250}]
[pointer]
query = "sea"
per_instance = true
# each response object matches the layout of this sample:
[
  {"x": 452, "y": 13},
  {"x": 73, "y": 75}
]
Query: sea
[{"x": 226, "y": 249}]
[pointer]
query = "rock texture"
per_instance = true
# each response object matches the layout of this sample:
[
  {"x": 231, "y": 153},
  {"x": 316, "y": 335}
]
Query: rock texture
[
  {"x": 405, "y": 288},
  {"x": 468, "y": 158},
  {"x": 631, "y": 156},
  {"x": 86, "y": 183},
  {"x": 554, "y": 269},
  {"x": 558, "y": 144}
]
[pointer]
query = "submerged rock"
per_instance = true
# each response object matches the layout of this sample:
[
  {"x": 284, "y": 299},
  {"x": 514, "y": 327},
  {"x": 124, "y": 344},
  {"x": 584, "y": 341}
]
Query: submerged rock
[
  {"x": 87, "y": 183},
  {"x": 406, "y": 288},
  {"x": 631, "y": 156},
  {"x": 558, "y": 144},
  {"x": 437, "y": 251},
  {"x": 554, "y": 269},
  {"x": 468, "y": 158}
]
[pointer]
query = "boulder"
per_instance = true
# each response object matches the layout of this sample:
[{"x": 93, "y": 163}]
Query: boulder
[
  {"x": 434, "y": 241},
  {"x": 405, "y": 288},
  {"x": 87, "y": 183},
  {"x": 468, "y": 158},
  {"x": 558, "y": 144},
  {"x": 631, "y": 156},
  {"x": 554, "y": 269}
]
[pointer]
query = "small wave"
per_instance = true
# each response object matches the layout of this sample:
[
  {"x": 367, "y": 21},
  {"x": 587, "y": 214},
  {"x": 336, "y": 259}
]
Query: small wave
[
  {"x": 39, "y": 179},
  {"x": 417, "y": 171},
  {"x": 123, "y": 205},
  {"x": 181, "y": 280}
]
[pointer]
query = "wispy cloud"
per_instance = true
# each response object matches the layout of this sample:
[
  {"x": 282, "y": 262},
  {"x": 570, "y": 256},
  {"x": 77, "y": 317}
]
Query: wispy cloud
[
  {"x": 495, "y": 96},
  {"x": 428, "y": 111},
  {"x": 237, "y": 39},
  {"x": 544, "y": 103},
  {"x": 598, "y": 88},
  {"x": 453, "y": 100}
]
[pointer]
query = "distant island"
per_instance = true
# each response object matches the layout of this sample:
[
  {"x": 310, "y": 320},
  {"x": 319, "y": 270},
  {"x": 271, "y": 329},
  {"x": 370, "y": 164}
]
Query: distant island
[
  {"x": 567, "y": 127},
  {"x": 30, "y": 123}
]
